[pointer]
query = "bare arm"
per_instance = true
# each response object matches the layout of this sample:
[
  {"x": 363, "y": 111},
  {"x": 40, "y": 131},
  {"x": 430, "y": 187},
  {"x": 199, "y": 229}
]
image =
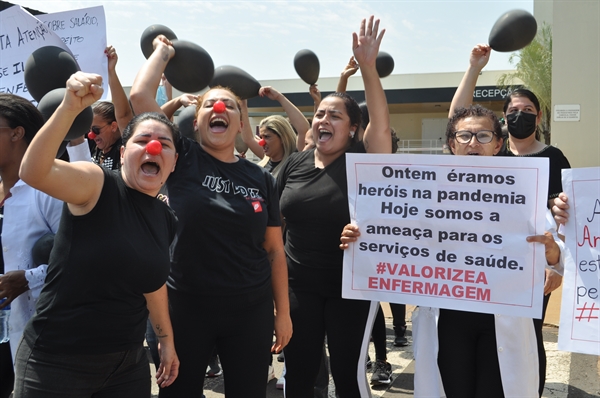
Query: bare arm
[
  {"x": 315, "y": 95},
  {"x": 301, "y": 138},
  {"x": 123, "y": 112},
  {"x": 168, "y": 87},
  {"x": 348, "y": 71},
  {"x": 463, "y": 97},
  {"x": 157, "y": 303},
  {"x": 365, "y": 45},
  {"x": 143, "y": 91},
  {"x": 185, "y": 100},
  {"x": 297, "y": 119},
  {"x": 79, "y": 184},
  {"x": 279, "y": 278},
  {"x": 248, "y": 134},
  {"x": 552, "y": 251}
]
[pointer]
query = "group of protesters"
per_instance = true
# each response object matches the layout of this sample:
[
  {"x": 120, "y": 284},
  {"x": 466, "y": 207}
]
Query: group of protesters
[{"x": 218, "y": 252}]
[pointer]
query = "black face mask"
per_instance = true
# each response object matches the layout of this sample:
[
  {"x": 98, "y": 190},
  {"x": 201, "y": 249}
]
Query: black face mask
[{"x": 521, "y": 125}]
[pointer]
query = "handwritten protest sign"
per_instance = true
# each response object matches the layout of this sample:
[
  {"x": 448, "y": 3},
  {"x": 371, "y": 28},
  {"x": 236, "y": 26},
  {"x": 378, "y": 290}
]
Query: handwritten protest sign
[
  {"x": 20, "y": 35},
  {"x": 81, "y": 32},
  {"x": 447, "y": 231},
  {"x": 84, "y": 32},
  {"x": 580, "y": 311}
]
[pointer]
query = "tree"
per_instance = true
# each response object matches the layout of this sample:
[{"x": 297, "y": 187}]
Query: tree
[{"x": 534, "y": 69}]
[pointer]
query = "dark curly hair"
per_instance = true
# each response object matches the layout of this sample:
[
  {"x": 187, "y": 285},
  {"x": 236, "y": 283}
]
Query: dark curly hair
[
  {"x": 20, "y": 112},
  {"x": 135, "y": 122},
  {"x": 472, "y": 111}
]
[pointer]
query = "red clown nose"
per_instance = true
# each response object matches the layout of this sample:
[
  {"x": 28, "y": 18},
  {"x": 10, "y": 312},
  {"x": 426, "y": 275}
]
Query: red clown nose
[
  {"x": 153, "y": 148},
  {"x": 262, "y": 142},
  {"x": 91, "y": 135},
  {"x": 219, "y": 106}
]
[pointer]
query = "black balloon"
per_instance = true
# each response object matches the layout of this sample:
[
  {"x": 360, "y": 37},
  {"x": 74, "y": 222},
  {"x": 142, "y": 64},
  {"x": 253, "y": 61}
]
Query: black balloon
[
  {"x": 191, "y": 69},
  {"x": 239, "y": 81},
  {"x": 185, "y": 121},
  {"x": 83, "y": 121},
  {"x": 514, "y": 30},
  {"x": 307, "y": 66},
  {"x": 150, "y": 34},
  {"x": 40, "y": 252},
  {"x": 48, "y": 68},
  {"x": 384, "y": 64}
]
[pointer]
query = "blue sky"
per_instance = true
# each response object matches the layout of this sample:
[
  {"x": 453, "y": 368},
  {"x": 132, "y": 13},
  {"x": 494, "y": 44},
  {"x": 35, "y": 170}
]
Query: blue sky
[{"x": 262, "y": 37}]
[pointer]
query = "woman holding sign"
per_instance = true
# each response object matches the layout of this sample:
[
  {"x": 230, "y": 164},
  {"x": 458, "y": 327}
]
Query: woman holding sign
[
  {"x": 523, "y": 115},
  {"x": 314, "y": 203},
  {"x": 475, "y": 354}
]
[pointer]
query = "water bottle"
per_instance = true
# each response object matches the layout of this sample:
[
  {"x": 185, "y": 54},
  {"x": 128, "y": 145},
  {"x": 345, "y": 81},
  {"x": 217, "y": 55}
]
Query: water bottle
[{"x": 4, "y": 313}]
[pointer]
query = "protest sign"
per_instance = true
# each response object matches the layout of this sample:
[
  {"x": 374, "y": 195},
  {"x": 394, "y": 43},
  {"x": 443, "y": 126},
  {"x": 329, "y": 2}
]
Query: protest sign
[
  {"x": 447, "y": 231},
  {"x": 580, "y": 310},
  {"x": 20, "y": 35},
  {"x": 84, "y": 32},
  {"x": 81, "y": 32}
]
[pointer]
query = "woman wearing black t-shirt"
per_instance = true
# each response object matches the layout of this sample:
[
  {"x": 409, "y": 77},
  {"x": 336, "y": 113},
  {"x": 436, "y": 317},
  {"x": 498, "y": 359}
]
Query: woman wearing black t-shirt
[
  {"x": 86, "y": 337},
  {"x": 228, "y": 268},
  {"x": 314, "y": 203}
]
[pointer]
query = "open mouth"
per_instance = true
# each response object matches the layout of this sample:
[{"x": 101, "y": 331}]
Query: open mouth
[
  {"x": 150, "y": 168},
  {"x": 218, "y": 125},
  {"x": 324, "y": 135}
]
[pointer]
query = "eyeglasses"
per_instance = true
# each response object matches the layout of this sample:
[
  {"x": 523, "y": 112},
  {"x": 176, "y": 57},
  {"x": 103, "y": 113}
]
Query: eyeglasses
[
  {"x": 96, "y": 130},
  {"x": 465, "y": 136}
]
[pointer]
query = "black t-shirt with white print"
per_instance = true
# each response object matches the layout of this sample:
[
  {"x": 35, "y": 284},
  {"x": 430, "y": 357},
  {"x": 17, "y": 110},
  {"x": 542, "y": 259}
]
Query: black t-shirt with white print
[{"x": 223, "y": 211}]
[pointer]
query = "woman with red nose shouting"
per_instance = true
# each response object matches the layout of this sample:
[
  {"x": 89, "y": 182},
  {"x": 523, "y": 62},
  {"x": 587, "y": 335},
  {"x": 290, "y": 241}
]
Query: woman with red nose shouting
[
  {"x": 228, "y": 268},
  {"x": 86, "y": 337},
  {"x": 314, "y": 203}
]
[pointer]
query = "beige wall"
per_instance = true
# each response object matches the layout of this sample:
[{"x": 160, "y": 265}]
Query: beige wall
[
  {"x": 576, "y": 78},
  {"x": 408, "y": 126}
]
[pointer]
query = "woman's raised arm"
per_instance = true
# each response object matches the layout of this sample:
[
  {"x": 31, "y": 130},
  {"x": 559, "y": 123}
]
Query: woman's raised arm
[
  {"x": 123, "y": 112},
  {"x": 365, "y": 46},
  {"x": 463, "y": 97},
  {"x": 76, "y": 183},
  {"x": 143, "y": 91}
]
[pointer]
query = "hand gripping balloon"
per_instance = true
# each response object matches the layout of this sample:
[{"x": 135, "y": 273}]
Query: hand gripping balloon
[
  {"x": 262, "y": 142},
  {"x": 154, "y": 147},
  {"x": 219, "y": 106}
]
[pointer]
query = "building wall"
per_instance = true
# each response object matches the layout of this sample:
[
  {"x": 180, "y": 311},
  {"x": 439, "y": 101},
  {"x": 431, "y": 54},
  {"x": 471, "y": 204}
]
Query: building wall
[
  {"x": 408, "y": 126},
  {"x": 576, "y": 78}
]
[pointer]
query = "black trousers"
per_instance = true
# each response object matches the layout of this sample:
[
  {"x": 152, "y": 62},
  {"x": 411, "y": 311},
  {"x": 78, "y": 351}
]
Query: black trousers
[
  {"x": 58, "y": 375},
  {"x": 467, "y": 357},
  {"x": 379, "y": 333},
  {"x": 242, "y": 330},
  {"x": 7, "y": 375},
  {"x": 318, "y": 310}
]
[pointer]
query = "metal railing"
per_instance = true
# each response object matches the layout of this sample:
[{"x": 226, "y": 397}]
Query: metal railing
[{"x": 421, "y": 146}]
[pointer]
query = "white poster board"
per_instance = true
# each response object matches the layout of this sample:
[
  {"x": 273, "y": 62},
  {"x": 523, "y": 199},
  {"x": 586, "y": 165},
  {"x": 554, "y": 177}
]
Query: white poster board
[
  {"x": 447, "y": 231},
  {"x": 20, "y": 35},
  {"x": 580, "y": 311},
  {"x": 83, "y": 31}
]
